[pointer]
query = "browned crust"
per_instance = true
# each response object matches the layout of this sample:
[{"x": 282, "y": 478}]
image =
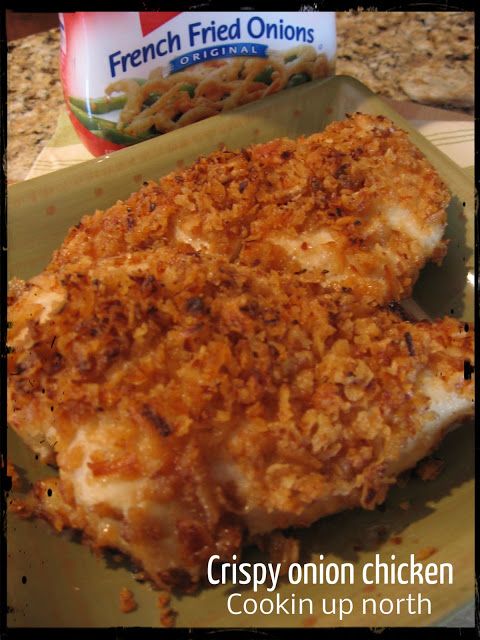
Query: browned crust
[
  {"x": 339, "y": 179},
  {"x": 176, "y": 363},
  {"x": 197, "y": 360}
]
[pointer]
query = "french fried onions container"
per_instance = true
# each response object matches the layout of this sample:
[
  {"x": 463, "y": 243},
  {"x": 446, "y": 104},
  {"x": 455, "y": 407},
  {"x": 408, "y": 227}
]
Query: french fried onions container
[{"x": 129, "y": 76}]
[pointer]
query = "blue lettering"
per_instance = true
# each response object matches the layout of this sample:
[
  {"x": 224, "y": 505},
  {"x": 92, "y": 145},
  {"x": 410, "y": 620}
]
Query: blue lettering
[
  {"x": 158, "y": 49},
  {"x": 199, "y": 34},
  {"x": 272, "y": 31},
  {"x": 114, "y": 63},
  {"x": 193, "y": 32},
  {"x": 255, "y": 27},
  {"x": 206, "y": 31},
  {"x": 173, "y": 42},
  {"x": 134, "y": 59},
  {"x": 234, "y": 30},
  {"x": 222, "y": 32},
  {"x": 258, "y": 28},
  {"x": 149, "y": 49},
  {"x": 137, "y": 57}
]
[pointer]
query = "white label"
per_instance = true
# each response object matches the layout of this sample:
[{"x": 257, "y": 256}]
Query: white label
[{"x": 171, "y": 69}]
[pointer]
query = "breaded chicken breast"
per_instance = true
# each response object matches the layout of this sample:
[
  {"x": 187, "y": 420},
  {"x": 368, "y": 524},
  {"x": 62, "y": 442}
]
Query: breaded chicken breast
[
  {"x": 190, "y": 403},
  {"x": 355, "y": 207}
]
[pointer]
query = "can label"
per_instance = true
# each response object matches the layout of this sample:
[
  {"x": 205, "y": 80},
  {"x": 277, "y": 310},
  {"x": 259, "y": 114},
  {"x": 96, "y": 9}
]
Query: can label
[{"x": 128, "y": 76}]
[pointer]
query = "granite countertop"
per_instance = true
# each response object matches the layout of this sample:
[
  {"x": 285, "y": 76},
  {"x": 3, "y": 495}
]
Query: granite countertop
[{"x": 426, "y": 57}]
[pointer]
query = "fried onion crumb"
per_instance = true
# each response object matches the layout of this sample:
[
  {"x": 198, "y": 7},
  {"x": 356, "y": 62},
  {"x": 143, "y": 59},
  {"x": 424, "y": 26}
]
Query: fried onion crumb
[
  {"x": 167, "y": 613},
  {"x": 127, "y": 601},
  {"x": 163, "y": 599},
  {"x": 426, "y": 552},
  {"x": 167, "y": 618},
  {"x": 429, "y": 468}
]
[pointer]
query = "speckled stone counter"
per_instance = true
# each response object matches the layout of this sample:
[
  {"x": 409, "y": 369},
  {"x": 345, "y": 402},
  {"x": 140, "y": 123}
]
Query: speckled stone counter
[{"x": 427, "y": 57}]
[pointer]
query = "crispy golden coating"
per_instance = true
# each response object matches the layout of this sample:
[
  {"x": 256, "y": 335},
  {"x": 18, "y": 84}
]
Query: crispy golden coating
[
  {"x": 210, "y": 361},
  {"x": 190, "y": 402},
  {"x": 356, "y": 206}
]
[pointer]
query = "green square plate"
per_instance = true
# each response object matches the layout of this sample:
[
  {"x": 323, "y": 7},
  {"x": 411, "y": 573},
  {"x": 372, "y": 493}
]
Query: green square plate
[{"x": 66, "y": 585}]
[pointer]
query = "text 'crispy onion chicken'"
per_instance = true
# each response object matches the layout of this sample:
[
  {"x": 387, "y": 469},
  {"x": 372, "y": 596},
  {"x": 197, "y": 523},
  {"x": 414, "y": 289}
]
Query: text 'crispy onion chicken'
[{"x": 192, "y": 397}]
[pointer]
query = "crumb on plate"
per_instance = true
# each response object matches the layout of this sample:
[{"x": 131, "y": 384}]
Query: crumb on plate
[
  {"x": 127, "y": 601},
  {"x": 167, "y": 613},
  {"x": 426, "y": 552},
  {"x": 429, "y": 468}
]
